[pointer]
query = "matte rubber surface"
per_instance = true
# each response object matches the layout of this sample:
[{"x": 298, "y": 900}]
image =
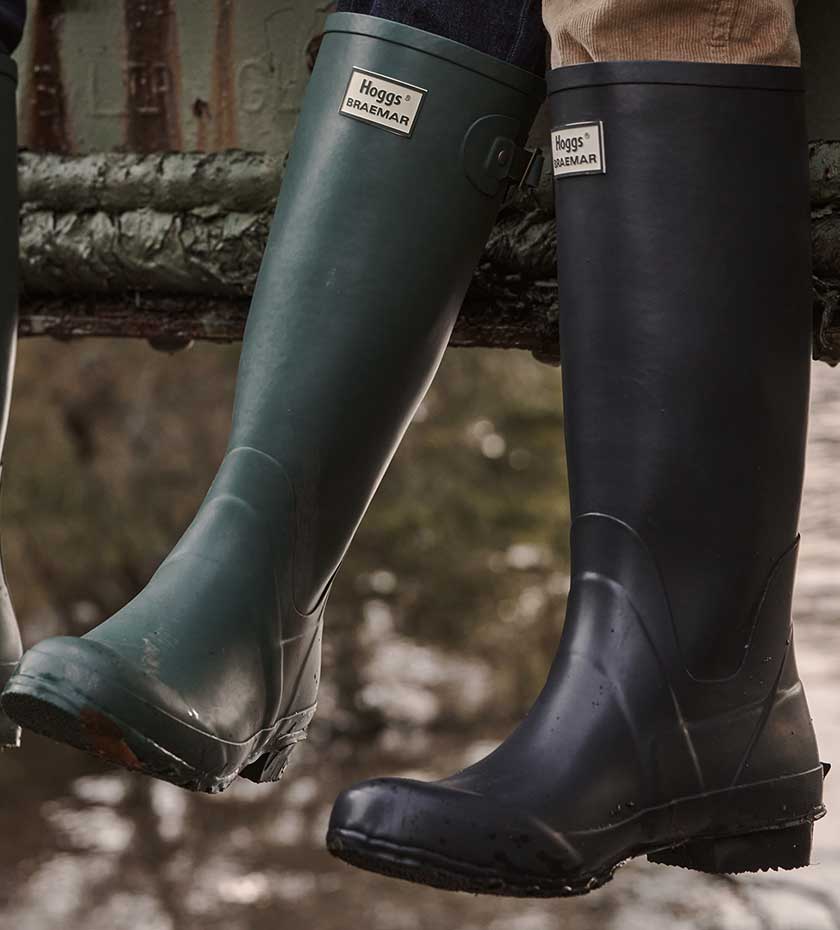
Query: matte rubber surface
[
  {"x": 58, "y": 708},
  {"x": 673, "y": 717},
  {"x": 371, "y": 251}
]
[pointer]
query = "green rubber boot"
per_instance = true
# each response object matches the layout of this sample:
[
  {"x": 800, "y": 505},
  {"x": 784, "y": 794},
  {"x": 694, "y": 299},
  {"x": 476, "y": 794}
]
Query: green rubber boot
[
  {"x": 10, "y": 646},
  {"x": 405, "y": 148}
]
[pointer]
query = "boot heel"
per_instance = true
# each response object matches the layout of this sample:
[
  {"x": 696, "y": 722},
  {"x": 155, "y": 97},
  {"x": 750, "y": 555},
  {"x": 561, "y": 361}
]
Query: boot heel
[
  {"x": 275, "y": 757},
  {"x": 272, "y": 763},
  {"x": 787, "y": 848},
  {"x": 269, "y": 767}
]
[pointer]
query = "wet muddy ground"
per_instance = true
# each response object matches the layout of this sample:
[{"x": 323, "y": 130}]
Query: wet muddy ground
[{"x": 82, "y": 846}]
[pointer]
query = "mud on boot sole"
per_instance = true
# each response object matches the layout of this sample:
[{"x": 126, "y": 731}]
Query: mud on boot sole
[
  {"x": 67, "y": 716},
  {"x": 785, "y": 848},
  {"x": 751, "y": 828},
  {"x": 437, "y": 871}
]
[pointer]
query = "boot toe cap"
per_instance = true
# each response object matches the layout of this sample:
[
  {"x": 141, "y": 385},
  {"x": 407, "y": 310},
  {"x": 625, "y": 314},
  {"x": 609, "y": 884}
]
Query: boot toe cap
[
  {"x": 81, "y": 692},
  {"x": 447, "y": 836}
]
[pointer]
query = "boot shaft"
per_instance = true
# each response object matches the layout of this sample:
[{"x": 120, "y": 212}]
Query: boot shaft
[
  {"x": 392, "y": 187},
  {"x": 405, "y": 147},
  {"x": 684, "y": 273}
]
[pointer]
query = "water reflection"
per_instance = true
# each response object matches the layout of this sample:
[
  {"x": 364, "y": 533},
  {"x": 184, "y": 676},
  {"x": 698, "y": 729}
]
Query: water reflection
[{"x": 86, "y": 847}]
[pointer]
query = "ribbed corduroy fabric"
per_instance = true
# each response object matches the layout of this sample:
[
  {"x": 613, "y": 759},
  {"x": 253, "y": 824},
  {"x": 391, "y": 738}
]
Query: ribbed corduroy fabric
[{"x": 760, "y": 32}]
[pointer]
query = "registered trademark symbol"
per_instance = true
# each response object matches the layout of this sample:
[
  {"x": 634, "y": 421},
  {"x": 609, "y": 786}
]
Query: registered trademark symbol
[
  {"x": 408, "y": 96},
  {"x": 586, "y": 135}
]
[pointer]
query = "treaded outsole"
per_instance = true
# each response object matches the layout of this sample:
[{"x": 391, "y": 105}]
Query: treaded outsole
[
  {"x": 101, "y": 737},
  {"x": 780, "y": 849},
  {"x": 93, "y": 731},
  {"x": 731, "y": 855},
  {"x": 407, "y": 864}
]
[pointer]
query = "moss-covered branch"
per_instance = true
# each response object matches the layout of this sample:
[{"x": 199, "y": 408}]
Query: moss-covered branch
[{"x": 167, "y": 248}]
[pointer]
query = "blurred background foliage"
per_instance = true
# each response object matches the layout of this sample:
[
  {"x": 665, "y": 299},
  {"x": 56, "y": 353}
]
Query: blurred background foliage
[{"x": 449, "y": 604}]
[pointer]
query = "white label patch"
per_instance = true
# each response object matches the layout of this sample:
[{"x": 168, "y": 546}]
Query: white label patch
[
  {"x": 578, "y": 148},
  {"x": 382, "y": 101}
]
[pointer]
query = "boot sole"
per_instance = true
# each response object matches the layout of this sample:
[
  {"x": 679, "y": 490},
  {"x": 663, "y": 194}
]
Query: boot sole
[
  {"x": 783, "y": 845},
  {"x": 71, "y": 717},
  {"x": 784, "y": 848},
  {"x": 9, "y": 730}
]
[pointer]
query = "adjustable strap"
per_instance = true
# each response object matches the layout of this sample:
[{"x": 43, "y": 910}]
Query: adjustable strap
[
  {"x": 526, "y": 167},
  {"x": 492, "y": 157}
]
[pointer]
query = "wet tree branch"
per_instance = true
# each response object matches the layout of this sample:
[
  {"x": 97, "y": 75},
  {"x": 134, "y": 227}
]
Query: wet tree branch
[{"x": 167, "y": 248}]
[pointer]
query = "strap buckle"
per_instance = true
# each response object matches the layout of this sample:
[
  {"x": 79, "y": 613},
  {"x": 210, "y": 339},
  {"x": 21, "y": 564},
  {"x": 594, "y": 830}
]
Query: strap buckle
[
  {"x": 494, "y": 160},
  {"x": 527, "y": 167}
]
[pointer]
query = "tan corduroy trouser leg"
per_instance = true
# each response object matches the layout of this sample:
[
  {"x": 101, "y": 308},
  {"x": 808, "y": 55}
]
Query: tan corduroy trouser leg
[{"x": 760, "y": 32}]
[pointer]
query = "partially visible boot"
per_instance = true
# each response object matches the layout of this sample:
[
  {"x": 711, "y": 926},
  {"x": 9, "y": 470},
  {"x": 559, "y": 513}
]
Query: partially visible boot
[
  {"x": 673, "y": 722},
  {"x": 10, "y": 645},
  {"x": 405, "y": 148}
]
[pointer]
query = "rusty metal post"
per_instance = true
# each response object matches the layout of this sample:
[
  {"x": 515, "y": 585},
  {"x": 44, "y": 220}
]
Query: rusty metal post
[
  {"x": 165, "y": 75},
  {"x": 152, "y": 70},
  {"x": 45, "y": 107}
]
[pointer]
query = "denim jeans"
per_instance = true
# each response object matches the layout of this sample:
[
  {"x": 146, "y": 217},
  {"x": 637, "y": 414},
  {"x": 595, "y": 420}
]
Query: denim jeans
[
  {"x": 726, "y": 31},
  {"x": 12, "y": 18},
  {"x": 508, "y": 29},
  {"x": 747, "y": 32}
]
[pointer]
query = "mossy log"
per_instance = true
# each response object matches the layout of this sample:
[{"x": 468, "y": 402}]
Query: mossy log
[{"x": 166, "y": 248}]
